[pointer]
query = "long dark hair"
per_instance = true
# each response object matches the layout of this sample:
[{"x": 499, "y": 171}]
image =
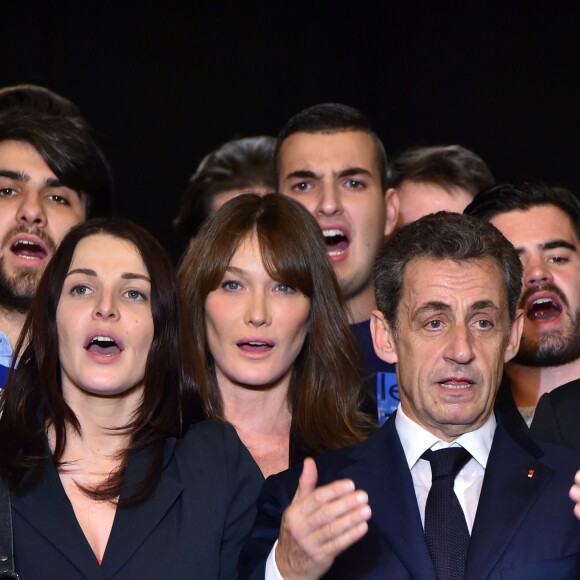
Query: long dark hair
[
  {"x": 325, "y": 386},
  {"x": 32, "y": 400}
]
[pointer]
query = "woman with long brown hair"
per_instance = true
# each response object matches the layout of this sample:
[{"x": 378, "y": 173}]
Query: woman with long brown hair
[
  {"x": 110, "y": 473},
  {"x": 273, "y": 351}
]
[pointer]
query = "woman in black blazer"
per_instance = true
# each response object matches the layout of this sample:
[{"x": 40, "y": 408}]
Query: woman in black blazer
[
  {"x": 110, "y": 474},
  {"x": 276, "y": 356}
]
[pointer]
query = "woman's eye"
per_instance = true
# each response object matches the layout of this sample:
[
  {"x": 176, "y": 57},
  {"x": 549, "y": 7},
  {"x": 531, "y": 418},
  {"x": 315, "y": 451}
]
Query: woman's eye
[
  {"x": 284, "y": 289},
  {"x": 135, "y": 295},
  {"x": 80, "y": 290},
  {"x": 231, "y": 285}
]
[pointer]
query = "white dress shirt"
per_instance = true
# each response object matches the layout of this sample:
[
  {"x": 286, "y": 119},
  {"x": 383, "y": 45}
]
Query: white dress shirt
[{"x": 415, "y": 441}]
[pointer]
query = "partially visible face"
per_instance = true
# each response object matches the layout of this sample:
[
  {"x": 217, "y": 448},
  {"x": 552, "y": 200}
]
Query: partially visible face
[
  {"x": 420, "y": 198},
  {"x": 452, "y": 339},
  {"x": 104, "y": 320},
  {"x": 337, "y": 178},
  {"x": 256, "y": 326},
  {"x": 36, "y": 211},
  {"x": 550, "y": 253},
  {"x": 222, "y": 197}
]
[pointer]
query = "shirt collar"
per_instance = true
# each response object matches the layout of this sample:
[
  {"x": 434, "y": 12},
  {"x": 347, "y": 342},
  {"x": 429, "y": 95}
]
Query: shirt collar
[
  {"x": 416, "y": 440},
  {"x": 5, "y": 350}
]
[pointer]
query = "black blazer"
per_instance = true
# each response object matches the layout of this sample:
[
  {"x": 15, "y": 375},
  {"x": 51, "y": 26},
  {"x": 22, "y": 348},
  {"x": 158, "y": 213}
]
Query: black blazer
[
  {"x": 524, "y": 526},
  {"x": 557, "y": 416},
  {"x": 191, "y": 527}
]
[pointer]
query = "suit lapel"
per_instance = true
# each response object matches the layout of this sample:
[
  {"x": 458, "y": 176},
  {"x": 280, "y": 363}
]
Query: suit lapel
[
  {"x": 380, "y": 469},
  {"x": 513, "y": 480},
  {"x": 46, "y": 508},
  {"x": 133, "y": 525}
]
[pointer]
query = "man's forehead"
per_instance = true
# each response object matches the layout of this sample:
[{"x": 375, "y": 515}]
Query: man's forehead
[
  {"x": 445, "y": 281},
  {"x": 536, "y": 225},
  {"x": 344, "y": 149}
]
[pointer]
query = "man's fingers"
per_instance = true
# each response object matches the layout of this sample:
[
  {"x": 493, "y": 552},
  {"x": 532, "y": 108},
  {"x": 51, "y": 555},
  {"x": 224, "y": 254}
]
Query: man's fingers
[
  {"x": 308, "y": 479},
  {"x": 342, "y": 528},
  {"x": 331, "y": 512}
]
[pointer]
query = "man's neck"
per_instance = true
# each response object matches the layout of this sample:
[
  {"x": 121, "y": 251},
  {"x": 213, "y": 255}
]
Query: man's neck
[
  {"x": 11, "y": 323},
  {"x": 360, "y": 306},
  {"x": 530, "y": 383}
]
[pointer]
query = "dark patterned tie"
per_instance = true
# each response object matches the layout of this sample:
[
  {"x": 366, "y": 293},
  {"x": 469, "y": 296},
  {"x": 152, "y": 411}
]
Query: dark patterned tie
[{"x": 445, "y": 526}]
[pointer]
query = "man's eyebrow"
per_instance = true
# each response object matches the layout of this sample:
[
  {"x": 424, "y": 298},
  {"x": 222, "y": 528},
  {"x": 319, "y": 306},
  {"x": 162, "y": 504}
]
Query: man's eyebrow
[
  {"x": 24, "y": 177},
  {"x": 14, "y": 175},
  {"x": 54, "y": 182},
  {"x": 433, "y": 306},
  {"x": 302, "y": 173},
  {"x": 553, "y": 244},
  {"x": 350, "y": 171},
  {"x": 484, "y": 305}
]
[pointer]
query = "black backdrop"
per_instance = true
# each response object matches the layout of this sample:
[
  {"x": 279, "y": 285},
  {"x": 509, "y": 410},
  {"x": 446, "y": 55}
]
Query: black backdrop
[{"x": 164, "y": 82}]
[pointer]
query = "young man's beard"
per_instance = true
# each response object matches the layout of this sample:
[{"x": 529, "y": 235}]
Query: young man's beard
[
  {"x": 551, "y": 350},
  {"x": 16, "y": 293}
]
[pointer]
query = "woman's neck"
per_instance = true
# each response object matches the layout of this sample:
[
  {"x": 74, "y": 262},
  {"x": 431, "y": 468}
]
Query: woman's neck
[
  {"x": 262, "y": 419},
  {"x": 257, "y": 410}
]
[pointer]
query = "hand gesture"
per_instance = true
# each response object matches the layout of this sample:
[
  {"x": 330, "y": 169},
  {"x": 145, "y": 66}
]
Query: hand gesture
[{"x": 319, "y": 524}]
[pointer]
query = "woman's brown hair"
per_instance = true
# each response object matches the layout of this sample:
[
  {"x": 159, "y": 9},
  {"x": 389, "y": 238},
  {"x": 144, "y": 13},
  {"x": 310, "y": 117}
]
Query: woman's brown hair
[
  {"x": 32, "y": 400},
  {"x": 325, "y": 385}
]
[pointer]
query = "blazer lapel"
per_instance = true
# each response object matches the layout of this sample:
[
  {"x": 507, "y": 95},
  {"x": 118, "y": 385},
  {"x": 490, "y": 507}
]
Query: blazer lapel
[
  {"x": 381, "y": 469},
  {"x": 133, "y": 525},
  {"x": 46, "y": 507},
  {"x": 513, "y": 480}
]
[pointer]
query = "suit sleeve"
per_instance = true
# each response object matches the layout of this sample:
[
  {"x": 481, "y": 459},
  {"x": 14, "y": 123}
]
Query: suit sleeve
[{"x": 245, "y": 481}]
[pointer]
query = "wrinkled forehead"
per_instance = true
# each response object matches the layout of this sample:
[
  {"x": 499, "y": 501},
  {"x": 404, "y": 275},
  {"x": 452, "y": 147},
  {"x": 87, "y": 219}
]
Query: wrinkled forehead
[{"x": 456, "y": 284}]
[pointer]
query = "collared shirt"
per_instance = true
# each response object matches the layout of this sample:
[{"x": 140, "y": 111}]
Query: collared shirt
[
  {"x": 5, "y": 358},
  {"x": 415, "y": 441},
  {"x": 5, "y": 351}
]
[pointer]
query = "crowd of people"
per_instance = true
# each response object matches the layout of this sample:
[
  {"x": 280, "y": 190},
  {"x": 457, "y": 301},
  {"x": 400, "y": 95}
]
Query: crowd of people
[{"x": 394, "y": 345}]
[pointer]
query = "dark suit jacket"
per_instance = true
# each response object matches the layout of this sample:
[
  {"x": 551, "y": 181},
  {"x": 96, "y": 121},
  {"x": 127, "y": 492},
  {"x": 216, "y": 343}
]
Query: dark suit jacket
[
  {"x": 557, "y": 416},
  {"x": 524, "y": 526},
  {"x": 192, "y": 526}
]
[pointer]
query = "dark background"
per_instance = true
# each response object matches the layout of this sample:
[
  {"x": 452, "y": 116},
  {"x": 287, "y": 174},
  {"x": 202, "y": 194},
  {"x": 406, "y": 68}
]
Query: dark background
[{"x": 163, "y": 83}]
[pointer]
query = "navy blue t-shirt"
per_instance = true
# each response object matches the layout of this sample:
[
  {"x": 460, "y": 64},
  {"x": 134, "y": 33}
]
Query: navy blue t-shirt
[{"x": 380, "y": 378}]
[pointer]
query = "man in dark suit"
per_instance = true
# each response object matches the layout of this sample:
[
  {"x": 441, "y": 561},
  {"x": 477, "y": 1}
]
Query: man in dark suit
[
  {"x": 543, "y": 379},
  {"x": 447, "y": 289}
]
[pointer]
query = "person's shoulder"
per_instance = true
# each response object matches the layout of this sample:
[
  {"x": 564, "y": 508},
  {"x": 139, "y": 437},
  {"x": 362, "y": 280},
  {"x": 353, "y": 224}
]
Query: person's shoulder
[
  {"x": 564, "y": 395},
  {"x": 558, "y": 456}
]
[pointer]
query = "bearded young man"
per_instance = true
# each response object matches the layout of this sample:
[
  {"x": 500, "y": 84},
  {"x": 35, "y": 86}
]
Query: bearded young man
[
  {"x": 543, "y": 224},
  {"x": 52, "y": 176}
]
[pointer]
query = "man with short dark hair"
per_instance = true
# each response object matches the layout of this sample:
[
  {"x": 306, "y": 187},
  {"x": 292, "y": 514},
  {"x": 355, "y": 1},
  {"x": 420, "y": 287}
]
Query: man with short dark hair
[
  {"x": 442, "y": 490},
  {"x": 439, "y": 178},
  {"x": 543, "y": 223},
  {"x": 238, "y": 166},
  {"x": 52, "y": 176},
  {"x": 329, "y": 159}
]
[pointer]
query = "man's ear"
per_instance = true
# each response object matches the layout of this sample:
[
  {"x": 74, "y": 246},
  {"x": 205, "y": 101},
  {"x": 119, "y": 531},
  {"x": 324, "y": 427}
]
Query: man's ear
[
  {"x": 391, "y": 211},
  {"x": 383, "y": 340},
  {"x": 514, "y": 336}
]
